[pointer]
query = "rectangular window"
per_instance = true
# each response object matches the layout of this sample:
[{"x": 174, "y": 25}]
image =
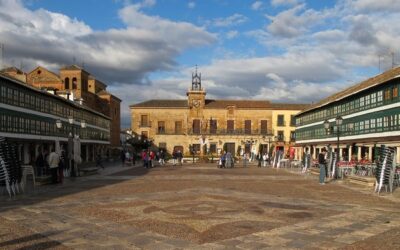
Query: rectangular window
[
  {"x": 292, "y": 135},
  {"x": 162, "y": 145},
  {"x": 293, "y": 119},
  {"x": 367, "y": 99},
  {"x": 230, "y": 126},
  {"x": 379, "y": 96},
  {"x": 387, "y": 95},
  {"x": 161, "y": 127},
  {"x": 213, "y": 148},
  {"x": 379, "y": 122},
  {"x": 362, "y": 125},
  {"x": 372, "y": 123},
  {"x": 366, "y": 124},
  {"x": 280, "y": 135},
  {"x": 281, "y": 120},
  {"x": 196, "y": 126},
  {"x": 178, "y": 127},
  {"x": 247, "y": 127},
  {"x": 145, "y": 134},
  {"x": 395, "y": 92},
  {"x": 213, "y": 126},
  {"x": 144, "y": 120},
  {"x": 361, "y": 102},
  {"x": 264, "y": 127},
  {"x": 373, "y": 98},
  {"x": 385, "y": 121}
]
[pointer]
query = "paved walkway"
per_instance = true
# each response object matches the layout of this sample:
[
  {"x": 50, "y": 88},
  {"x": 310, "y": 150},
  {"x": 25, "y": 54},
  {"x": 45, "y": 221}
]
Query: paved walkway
[{"x": 200, "y": 207}]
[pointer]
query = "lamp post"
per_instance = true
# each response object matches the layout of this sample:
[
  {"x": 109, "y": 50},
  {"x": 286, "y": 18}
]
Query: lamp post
[{"x": 339, "y": 122}]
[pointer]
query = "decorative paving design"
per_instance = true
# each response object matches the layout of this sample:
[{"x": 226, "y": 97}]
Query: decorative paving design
[{"x": 204, "y": 218}]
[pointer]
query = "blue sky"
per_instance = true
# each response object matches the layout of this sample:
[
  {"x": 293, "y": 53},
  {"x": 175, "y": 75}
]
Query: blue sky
[{"x": 294, "y": 51}]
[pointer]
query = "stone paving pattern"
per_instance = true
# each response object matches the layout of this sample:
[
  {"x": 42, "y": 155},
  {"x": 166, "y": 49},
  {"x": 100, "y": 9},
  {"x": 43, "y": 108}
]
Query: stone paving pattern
[{"x": 200, "y": 207}]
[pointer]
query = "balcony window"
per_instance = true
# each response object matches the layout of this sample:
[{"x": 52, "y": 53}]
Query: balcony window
[
  {"x": 144, "y": 120},
  {"x": 230, "y": 126},
  {"x": 280, "y": 135},
  {"x": 387, "y": 95},
  {"x": 293, "y": 119},
  {"x": 247, "y": 127},
  {"x": 213, "y": 126},
  {"x": 281, "y": 121},
  {"x": 372, "y": 123},
  {"x": 161, "y": 127},
  {"x": 178, "y": 127},
  {"x": 264, "y": 127},
  {"x": 196, "y": 126},
  {"x": 292, "y": 135}
]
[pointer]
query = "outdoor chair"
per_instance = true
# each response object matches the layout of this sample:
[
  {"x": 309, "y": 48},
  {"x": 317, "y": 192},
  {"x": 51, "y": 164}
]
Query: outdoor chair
[{"x": 27, "y": 170}]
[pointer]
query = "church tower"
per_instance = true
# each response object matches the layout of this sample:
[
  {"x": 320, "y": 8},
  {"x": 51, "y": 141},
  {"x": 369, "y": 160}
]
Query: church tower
[{"x": 196, "y": 94}]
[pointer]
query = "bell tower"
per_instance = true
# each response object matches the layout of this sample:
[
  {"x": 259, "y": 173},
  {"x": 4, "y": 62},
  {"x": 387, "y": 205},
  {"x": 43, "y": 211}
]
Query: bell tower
[{"x": 196, "y": 94}]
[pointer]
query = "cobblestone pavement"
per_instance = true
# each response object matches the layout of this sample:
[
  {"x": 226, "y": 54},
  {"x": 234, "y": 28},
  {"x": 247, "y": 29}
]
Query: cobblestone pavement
[{"x": 200, "y": 207}]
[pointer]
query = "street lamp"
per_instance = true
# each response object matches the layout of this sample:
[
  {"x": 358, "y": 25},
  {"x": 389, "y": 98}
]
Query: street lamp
[{"x": 339, "y": 122}]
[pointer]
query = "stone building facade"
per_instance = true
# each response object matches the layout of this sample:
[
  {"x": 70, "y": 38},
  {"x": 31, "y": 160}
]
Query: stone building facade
[
  {"x": 76, "y": 84},
  {"x": 206, "y": 126}
]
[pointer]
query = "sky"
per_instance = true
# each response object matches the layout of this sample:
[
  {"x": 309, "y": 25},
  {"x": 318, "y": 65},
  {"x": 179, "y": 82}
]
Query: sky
[{"x": 293, "y": 51}]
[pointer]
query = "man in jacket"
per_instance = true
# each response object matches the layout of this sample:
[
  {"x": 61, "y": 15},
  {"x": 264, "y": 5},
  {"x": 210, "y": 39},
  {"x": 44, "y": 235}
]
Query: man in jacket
[
  {"x": 322, "y": 165},
  {"x": 53, "y": 160}
]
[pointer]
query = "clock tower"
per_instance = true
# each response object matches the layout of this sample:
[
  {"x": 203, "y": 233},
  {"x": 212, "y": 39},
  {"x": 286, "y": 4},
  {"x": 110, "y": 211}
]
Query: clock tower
[{"x": 196, "y": 94}]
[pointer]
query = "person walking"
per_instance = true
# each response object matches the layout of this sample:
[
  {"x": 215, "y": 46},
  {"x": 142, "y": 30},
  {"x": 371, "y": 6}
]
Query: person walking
[
  {"x": 259, "y": 159},
  {"x": 123, "y": 158},
  {"x": 144, "y": 158},
  {"x": 228, "y": 160},
  {"x": 306, "y": 161},
  {"x": 152, "y": 156},
  {"x": 61, "y": 166},
  {"x": 161, "y": 156},
  {"x": 53, "y": 160},
  {"x": 179, "y": 156},
  {"x": 265, "y": 159},
  {"x": 223, "y": 159},
  {"x": 98, "y": 161},
  {"x": 322, "y": 164},
  {"x": 245, "y": 157}
]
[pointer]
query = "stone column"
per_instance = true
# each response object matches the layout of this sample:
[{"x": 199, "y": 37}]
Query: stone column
[
  {"x": 340, "y": 154},
  {"x": 397, "y": 154},
  {"x": 26, "y": 154},
  {"x": 350, "y": 152},
  {"x": 314, "y": 152},
  {"x": 358, "y": 153},
  {"x": 370, "y": 153}
]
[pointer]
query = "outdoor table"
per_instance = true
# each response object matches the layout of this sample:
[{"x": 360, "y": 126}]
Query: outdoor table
[{"x": 284, "y": 163}]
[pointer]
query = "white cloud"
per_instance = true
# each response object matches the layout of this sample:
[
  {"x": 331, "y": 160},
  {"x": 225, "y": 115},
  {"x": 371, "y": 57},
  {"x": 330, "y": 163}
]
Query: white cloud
[
  {"x": 191, "y": 5},
  {"x": 148, "y": 3},
  {"x": 256, "y": 5},
  {"x": 283, "y": 2},
  {"x": 126, "y": 55},
  {"x": 233, "y": 20},
  {"x": 232, "y": 34},
  {"x": 374, "y": 5},
  {"x": 295, "y": 21}
]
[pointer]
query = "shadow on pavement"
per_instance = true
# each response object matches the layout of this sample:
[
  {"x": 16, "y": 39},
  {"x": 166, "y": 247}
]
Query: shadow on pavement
[{"x": 70, "y": 186}]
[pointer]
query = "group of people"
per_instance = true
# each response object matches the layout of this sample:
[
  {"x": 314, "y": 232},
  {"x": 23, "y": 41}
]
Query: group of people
[
  {"x": 322, "y": 163},
  {"x": 128, "y": 157},
  {"x": 226, "y": 160},
  {"x": 177, "y": 157},
  {"x": 54, "y": 162}
]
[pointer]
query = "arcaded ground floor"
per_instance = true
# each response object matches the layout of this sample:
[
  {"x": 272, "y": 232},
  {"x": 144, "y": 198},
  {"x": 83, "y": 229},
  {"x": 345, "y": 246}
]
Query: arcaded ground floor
[{"x": 200, "y": 207}]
